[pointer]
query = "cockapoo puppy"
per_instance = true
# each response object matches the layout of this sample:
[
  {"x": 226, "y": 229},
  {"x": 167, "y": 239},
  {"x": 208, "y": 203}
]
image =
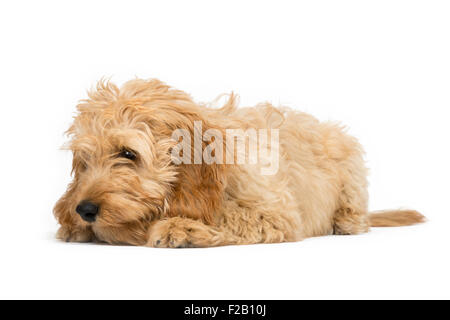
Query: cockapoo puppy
[{"x": 151, "y": 167}]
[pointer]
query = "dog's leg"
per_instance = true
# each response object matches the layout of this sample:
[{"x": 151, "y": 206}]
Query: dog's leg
[
  {"x": 237, "y": 225},
  {"x": 68, "y": 235},
  {"x": 352, "y": 215},
  {"x": 181, "y": 232},
  {"x": 348, "y": 221}
]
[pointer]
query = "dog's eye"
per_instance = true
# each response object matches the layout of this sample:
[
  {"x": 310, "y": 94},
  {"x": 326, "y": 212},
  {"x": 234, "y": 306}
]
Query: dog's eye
[{"x": 127, "y": 154}]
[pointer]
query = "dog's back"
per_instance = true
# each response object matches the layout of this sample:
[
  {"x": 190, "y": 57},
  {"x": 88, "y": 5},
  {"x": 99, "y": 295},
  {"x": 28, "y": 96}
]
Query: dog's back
[{"x": 325, "y": 173}]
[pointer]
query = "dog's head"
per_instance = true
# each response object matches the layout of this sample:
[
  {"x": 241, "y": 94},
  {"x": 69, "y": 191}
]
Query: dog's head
[{"x": 123, "y": 174}]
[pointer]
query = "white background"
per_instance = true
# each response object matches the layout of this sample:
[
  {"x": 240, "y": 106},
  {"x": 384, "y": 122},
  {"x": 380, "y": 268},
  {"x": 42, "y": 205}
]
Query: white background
[{"x": 381, "y": 67}]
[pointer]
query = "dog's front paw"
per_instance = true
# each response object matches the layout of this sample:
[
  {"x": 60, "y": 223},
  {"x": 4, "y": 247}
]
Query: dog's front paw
[
  {"x": 181, "y": 233},
  {"x": 68, "y": 235}
]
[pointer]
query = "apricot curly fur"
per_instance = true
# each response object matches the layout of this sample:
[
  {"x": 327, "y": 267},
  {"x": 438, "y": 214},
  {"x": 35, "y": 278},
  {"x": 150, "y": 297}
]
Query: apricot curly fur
[{"x": 319, "y": 189}]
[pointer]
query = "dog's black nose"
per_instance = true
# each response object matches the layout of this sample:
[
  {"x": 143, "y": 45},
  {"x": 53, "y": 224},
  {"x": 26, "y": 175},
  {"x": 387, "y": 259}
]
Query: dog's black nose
[{"x": 87, "y": 210}]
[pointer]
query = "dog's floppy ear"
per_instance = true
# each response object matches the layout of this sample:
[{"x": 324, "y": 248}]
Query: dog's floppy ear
[
  {"x": 63, "y": 207},
  {"x": 199, "y": 190}
]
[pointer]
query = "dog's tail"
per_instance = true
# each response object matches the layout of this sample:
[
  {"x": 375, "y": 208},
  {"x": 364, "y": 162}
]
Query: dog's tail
[{"x": 395, "y": 218}]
